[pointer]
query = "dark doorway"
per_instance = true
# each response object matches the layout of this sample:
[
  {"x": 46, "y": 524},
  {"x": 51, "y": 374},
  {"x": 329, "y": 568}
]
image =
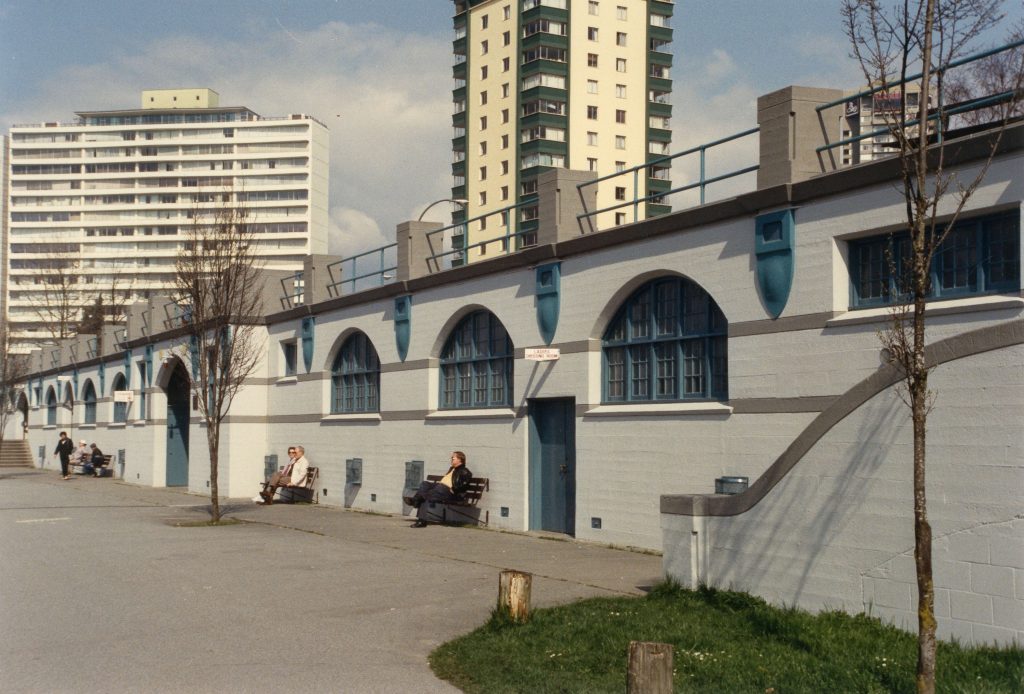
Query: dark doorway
[{"x": 177, "y": 427}]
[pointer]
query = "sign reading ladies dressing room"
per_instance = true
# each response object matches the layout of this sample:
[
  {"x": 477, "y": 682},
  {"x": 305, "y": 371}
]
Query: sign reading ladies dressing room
[
  {"x": 124, "y": 395},
  {"x": 542, "y": 353}
]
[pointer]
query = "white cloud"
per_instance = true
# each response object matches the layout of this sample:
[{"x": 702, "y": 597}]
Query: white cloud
[
  {"x": 354, "y": 231},
  {"x": 385, "y": 96}
]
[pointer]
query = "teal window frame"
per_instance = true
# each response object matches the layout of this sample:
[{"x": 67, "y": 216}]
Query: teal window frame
[
  {"x": 979, "y": 256},
  {"x": 290, "y": 350},
  {"x": 89, "y": 398},
  {"x": 120, "y": 408},
  {"x": 668, "y": 342},
  {"x": 477, "y": 364},
  {"x": 355, "y": 377}
]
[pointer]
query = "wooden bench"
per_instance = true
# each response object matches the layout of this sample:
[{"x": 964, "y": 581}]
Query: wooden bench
[
  {"x": 468, "y": 500},
  {"x": 104, "y": 471},
  {"x": 306, "y": 491}
]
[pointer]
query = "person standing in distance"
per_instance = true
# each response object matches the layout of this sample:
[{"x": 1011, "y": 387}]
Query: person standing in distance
[{"x": 63, "y": 449}]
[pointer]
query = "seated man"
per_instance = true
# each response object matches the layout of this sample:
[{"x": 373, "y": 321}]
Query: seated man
[
  {"x": 97, "y": 461},
  {"x": 449, "y": 488},
  {"x": 293, "y": 474},
  {"x": 79, "y": 456}
]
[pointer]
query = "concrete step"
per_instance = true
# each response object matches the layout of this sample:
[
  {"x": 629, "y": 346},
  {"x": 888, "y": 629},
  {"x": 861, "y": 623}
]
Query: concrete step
[{"x": 15, "y": 454}]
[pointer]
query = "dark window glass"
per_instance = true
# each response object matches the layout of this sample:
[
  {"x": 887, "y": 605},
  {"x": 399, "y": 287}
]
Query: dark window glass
[
  {"x": 476, "y": 364},
  {"x": 667, "y": 342}
]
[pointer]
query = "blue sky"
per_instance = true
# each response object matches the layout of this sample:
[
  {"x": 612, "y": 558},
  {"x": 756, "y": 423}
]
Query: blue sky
[{"x": 378, "y": 72}]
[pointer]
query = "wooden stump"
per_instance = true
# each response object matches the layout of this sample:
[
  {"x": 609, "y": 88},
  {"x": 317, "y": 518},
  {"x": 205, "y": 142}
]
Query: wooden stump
[
  {"x": 650, "y": 668},
  {"x": 514, "y": 595}
]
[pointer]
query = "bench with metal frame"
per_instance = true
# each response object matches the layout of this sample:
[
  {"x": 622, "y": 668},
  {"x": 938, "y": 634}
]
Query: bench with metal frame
[
  {"x": 306, "y": 491},
  {"x": 103, "y": 471},
  {"x": 467, "y": 500}
]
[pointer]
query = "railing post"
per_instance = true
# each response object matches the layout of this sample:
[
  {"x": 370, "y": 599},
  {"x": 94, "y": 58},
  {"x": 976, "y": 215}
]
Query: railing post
[
  {"x": 560, "y": 202},
  {"x": 414, "y": 249},
  {"x": 791, "y": 131}
]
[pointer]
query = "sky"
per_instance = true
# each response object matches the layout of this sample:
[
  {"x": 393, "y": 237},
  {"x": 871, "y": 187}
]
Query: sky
[{"x": 378, "y": 73}]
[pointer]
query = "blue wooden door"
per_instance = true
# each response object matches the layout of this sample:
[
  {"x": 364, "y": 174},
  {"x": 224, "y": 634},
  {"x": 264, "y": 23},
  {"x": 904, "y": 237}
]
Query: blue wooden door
[
  {"x": 177, "y": 428},
  {"x": 553, "y": 465}
]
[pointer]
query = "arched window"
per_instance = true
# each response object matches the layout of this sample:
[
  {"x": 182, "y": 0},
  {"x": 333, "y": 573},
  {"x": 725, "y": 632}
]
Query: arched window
[
  {"x": 51, "y": 408},
  {"x": 355, "y": 377},
  {"x": 476, "y": 364},
  {"x": 120, "y": 408},
  {"x": 89, "y": 398},
  {"x": 667, "y": 342}
]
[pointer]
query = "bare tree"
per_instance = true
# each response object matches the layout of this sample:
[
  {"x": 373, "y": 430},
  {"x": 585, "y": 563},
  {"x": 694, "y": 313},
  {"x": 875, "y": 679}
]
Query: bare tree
[
  {"x": 997, "y": 74},
  {"x": 13, "y": 373},
  {"x": 219, "y": 289},
  {"x": 57, "y": 300},
  {"x": 892, "y": 40}
]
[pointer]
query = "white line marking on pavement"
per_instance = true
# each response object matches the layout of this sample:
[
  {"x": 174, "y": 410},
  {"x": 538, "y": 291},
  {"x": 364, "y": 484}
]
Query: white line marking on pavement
[{"x": 42, "y": 520}]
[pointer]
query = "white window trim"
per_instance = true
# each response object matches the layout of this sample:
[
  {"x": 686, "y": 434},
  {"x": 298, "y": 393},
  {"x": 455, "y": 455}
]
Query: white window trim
[
  {"x": 482, "y": 413},
  {"x": 971, "y": 304},
  {"x": 665, "y": 409}
]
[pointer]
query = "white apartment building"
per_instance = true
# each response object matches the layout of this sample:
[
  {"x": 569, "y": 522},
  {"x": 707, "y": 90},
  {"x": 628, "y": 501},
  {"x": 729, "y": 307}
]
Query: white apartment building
[
  {"x": 540, "y": 84},
  {"x": 109, "y": 197}
]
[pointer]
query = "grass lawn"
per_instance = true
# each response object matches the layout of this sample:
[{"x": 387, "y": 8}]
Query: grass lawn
[{"x": 723, "y": 642}]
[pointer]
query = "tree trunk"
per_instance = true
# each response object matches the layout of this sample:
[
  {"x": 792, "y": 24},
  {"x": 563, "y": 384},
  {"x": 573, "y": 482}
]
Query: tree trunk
[
  {"x": 213, "y": 442},
  {"x": 650, "y": 668},
  {"x": 514, "y": 595},
  {"x": 922, "y": 529}
]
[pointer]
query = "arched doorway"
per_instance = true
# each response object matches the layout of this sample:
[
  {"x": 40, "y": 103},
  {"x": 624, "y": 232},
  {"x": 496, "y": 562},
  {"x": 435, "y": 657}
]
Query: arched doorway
[
  {"x": 22, "y": 407},
  {"x": 177, "y": 391}
]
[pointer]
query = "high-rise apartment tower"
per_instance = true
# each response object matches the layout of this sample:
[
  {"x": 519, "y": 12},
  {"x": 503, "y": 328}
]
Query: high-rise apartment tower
[
  {"x": 578, "y": 84},
  {"x": 104, "y": 203}
]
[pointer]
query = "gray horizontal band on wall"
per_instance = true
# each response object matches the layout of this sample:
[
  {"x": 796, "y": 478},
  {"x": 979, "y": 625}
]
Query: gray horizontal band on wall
[
  {"x": 806, "y": 321},
  {"x": 810, "y": 403},
  {"x": 411, "y": 365},
  {"x": 964, "y": 345}
]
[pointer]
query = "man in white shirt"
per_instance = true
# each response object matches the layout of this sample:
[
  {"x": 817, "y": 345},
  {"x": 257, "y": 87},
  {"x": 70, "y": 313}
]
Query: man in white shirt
[{"x": 293, "y": 474}]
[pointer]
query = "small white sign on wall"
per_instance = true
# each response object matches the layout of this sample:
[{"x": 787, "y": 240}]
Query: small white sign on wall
[
  {"x": 124, "y": 395},
  {"x": 542, "y": 353}
]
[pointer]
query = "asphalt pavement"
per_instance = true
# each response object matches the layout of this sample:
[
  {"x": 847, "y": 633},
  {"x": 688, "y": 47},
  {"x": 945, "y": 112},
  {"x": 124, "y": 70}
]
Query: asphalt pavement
[{"x": 103, "y": 589}]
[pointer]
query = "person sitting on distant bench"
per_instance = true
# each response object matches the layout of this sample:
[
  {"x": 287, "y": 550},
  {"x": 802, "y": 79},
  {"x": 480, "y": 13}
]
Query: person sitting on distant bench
[
  {"x": 293, "y": 474},
  {"x": 97, "y": 461},
  {"x": 449, "y": 488},
  {"x": 79, "y": 456}
]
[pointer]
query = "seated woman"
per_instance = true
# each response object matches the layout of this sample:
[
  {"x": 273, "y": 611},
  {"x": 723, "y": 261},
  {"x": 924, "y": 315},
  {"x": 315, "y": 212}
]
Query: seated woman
[
  {"x": 97, "y": 461},
  {"x": 79, "y": 456}
]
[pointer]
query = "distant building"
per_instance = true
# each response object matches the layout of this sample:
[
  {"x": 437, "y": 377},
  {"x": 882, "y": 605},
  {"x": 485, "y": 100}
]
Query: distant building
[
  {"x": 109, "y": 197},
  {"x": 541, "y": 84},
  {"x": 875, "y": 112}
]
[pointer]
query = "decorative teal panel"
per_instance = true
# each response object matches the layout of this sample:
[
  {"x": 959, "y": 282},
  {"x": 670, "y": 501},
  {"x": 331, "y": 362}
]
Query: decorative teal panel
[
  {"x": 308, "y": 324},
  {"x": 103, "y": 378},
  {"x": 149, "y": 366},
  {"x": 127, "y": 369},
  {"x": 773, "y": 249},
  {"x": 74, "y": 382},
  {"x": 403, "y": 325},
  {"x": 549, "y": 281}
]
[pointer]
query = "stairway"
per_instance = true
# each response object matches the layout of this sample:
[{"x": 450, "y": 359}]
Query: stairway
[{"x": 15, "y": 453}]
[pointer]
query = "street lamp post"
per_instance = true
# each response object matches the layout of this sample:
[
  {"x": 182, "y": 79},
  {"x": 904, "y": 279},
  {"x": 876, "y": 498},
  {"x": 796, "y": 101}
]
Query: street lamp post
[{"x": 457, "y": 201}]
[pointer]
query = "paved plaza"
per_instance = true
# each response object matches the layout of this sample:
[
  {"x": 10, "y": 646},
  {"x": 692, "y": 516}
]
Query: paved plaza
[{"x": 102, "y": 590}]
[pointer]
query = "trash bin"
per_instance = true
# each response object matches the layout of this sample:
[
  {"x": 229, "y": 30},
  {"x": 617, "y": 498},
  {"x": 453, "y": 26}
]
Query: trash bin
[{"x": 731, "y": 485}]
